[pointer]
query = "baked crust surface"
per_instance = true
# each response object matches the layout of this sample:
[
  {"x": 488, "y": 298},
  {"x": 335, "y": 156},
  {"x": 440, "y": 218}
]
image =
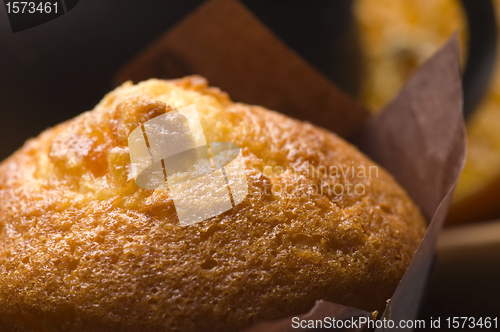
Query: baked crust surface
[{"x": 83, "y": 248}]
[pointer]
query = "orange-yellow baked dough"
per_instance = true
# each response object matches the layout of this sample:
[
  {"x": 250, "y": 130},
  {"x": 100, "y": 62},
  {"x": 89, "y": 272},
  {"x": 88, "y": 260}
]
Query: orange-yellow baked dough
[{"x": 83, "y": 248}]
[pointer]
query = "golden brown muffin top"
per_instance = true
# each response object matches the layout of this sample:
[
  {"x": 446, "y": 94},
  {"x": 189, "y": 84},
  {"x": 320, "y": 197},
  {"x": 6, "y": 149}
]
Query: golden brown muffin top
[{"x": 83, "y": 248}]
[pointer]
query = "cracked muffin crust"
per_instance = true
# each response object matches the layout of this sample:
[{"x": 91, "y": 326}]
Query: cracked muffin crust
[{"x": 83, "y": 248}]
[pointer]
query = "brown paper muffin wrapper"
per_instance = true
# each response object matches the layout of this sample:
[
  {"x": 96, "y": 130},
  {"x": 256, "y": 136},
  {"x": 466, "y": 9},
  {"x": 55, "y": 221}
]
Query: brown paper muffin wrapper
[{"x": 419, "y": 137}]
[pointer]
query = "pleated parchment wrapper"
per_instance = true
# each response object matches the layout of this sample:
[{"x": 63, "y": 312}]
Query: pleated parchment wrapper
[{"x": 419, "y": 137}]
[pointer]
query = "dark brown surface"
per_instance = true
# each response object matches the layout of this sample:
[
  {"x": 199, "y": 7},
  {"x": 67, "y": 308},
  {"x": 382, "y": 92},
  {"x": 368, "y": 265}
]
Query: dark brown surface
[{"x": 320, "y": 310}]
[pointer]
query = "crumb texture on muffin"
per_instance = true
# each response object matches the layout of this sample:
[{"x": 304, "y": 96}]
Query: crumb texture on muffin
[{"x": 83, "y": 248}]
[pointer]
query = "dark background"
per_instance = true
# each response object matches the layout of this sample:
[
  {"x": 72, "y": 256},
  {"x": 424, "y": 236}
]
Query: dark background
[{"x": 57, "y": 70}]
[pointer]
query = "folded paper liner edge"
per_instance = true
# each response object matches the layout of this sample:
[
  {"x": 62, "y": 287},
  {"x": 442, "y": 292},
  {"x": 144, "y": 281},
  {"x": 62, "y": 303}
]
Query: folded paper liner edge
[{"x": 419, "y": 137}]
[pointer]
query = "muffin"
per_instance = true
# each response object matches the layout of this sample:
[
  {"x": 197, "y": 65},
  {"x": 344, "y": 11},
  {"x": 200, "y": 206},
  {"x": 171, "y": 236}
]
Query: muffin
[{"x": 84, "y": 248}]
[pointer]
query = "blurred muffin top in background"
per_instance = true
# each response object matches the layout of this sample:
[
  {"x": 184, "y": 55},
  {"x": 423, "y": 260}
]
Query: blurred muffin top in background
[{"x": 396, "y": 37}]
